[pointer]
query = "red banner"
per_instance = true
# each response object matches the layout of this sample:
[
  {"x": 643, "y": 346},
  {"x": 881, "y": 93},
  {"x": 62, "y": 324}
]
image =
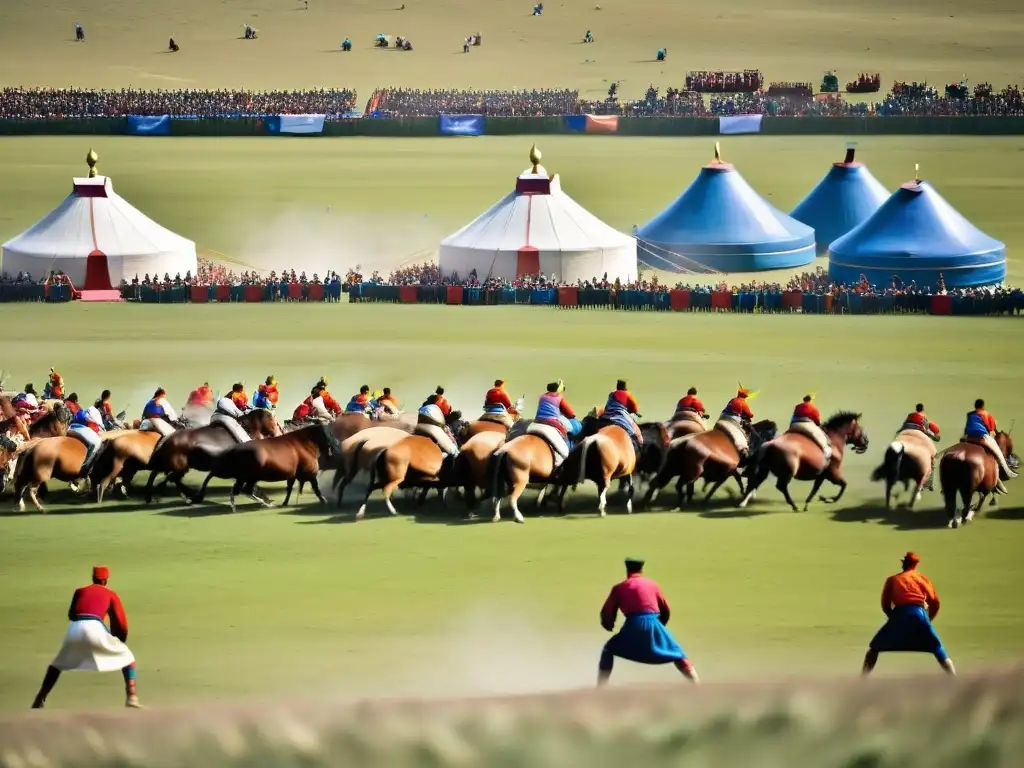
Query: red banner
[
  {"x": 942, "y": 305},
  {"x": 679, "y": 300},
  {"x": 223, "y": 293},
  {"x": 254, "y": 293},
  {"x": 454, "y": 294},
  {"x": 721, "y": 300},
  {"x": 568, "y": 297},
  {"x": 199, "y": 294},
  {"x": 793, "y": 299},
  {"x": 315, "y": 292},
  {"x": 407, "y": 294}
]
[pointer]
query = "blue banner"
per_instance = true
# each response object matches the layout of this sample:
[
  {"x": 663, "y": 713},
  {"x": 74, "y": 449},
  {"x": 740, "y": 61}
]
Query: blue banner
[
  {"x": 296, "y": 124},
  {"x": 735, "y": 124},
  {"x": 576, "y": 123},
  {"x": 139, "y": 125},
  {"x": 462, "y": 125}
]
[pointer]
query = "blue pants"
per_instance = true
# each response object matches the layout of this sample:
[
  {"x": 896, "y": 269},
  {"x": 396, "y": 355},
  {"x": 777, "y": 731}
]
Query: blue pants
[
  {"x": 643, "y": 639},
  {"x": 909, "y": 629}
]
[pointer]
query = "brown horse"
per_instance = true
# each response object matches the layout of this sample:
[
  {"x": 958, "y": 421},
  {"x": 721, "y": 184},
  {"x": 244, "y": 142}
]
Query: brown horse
[
  {"x": 359, "y": 452},
  {"x": 286, "y": 458},
  {"x": 415, "y": 462},
  {"x": 711, "y": 455},
  {"x": 524, "y": 459},
  {"x": 471, "y": 465},
  {"x": 188, "y": 449},
  {"x": 794, "y": 456},
  {"x": 968, "y": 468},
  {"x": 605, "y": 453},
  {"x": 685, "y": 423},
  {"x": 45, "y": 459},
  {"x": 909, "y": 458}
]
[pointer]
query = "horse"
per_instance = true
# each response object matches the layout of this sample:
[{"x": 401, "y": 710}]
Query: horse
[
  {"x": 51, "y": 424},
  {"x": 187, "y": 449},
  {"x": 685, "y": 423},
  {"x": 473, "y": 461},
  {"x": 359, "y": 451},
  {"x": 289, "y": 457},
  {"x": 794, "y": 456},
  {"x": 615, "y": 456},
  {"x": 415, "y": 462},
  {"x": 908, "y": 459},
  {"x": 968, "y": 468},
  {"x": 711, "y": 455}
]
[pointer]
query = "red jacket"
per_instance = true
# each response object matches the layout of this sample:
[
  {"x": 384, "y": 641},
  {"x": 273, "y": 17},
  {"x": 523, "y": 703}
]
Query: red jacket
[
  {"x": 626, "y": 399},
  {"x": 739, "y": 406},
  {"x": 331, "y": 404},
  {"x": 497, "y": 396},
  {"x": 201, "y": 396},
  {"x": 921, "y": 421},
  {"x": 444, "y": 405},
  {"x": 270, "y": 391},
  {"x": 73, "y": 407},
  {"x": 690, "y": 403},
  {"x": 303, "y": 410},
  {"x": 102, "y": 603},
  {"x": 636, "y": 595},
  {"x": 807, "y": 411}
]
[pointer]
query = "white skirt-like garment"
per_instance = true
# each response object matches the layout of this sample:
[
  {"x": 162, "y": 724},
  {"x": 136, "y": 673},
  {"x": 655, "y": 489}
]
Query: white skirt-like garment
[{"x": 88, "y": 645}]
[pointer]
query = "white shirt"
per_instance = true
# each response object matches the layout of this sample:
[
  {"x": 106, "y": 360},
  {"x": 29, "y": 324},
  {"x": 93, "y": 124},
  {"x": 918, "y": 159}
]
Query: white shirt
[
  {"x": 30, "y": 400},
  {"x": 320, "y": 409},
  {"x": 227, "y": 405},
  {"x": 169, "y": 412},
  {"x": 93, "y": 416}
]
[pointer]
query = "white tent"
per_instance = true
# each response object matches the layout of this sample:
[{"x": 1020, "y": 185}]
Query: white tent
[
  {"x": 97, "y": 238},
  {"x": 538, "y": 229}
]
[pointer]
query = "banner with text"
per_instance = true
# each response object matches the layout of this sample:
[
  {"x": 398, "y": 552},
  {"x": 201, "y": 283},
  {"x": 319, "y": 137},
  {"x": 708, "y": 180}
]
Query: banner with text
[{"x": 296, "y": 124}]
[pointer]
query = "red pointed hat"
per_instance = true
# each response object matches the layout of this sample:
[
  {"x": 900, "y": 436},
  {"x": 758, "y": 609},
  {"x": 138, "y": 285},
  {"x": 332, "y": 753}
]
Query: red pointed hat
[
  {"x": 100, "y": 572},
  {"x": 910, "y": 557}
]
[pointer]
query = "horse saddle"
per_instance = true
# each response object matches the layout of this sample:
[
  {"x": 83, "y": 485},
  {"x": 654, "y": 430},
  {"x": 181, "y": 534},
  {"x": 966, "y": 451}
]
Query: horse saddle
[
  {"x": 691, "y": 416},
  {"x": 439, "y": 436},
  {"x": 558, "y": 444},
  {"x": 498, "y": 417},
  {"x": 734, "y": 432}
]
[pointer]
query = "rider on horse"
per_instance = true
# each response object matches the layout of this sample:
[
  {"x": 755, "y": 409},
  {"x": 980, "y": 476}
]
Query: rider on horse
[
  {"x": 227, "y": 413},
  {"x": 266, "y": 396},
  {"x": 737, "y": 412},
  {"x": 919, "y": 420},
  {"x": 498, "y": 405},
  {"x": 87, "y": 427},
  {"x": 981, "y": 429},
  {"x": 554, "y": 411},
  {"x": 691, "y": 404},
  {"x": 201, "y": 396},
  {"x": 331, "y": 405},
  {"x": 106, "y": 409},
  {"x": 239, "y": 397},
  {"x": 312, "y": 407},
  {"x": 54, "y": 389},
  {"x": 158, "y": 414},
  {"x": 433, "y": 418},
  {"x": 71, "y": 401},
  {"x": 360, "y": 403},
  {"x": 388, "y": 402},
  {"x": 27, "y": 401},
  {"x": 620, "y": 409},
  {"x": 442, "y": 402},
  {"x": 806, "y": 421}
]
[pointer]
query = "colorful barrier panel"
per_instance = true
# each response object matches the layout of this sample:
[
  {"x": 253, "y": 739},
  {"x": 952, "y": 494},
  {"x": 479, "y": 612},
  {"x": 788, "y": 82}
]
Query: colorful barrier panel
[
  {"x": 942, "y": 305},
  {"x": 461, "y": 125},
  {"x": 315, "y": 292},
  {"x": 679, "y": 301},
  {"x": 198, "y": 294},
  {"x": 721, "y": 300},
  {"x": 252, "y": 293},
  {"x": 453, "y": 294},
  {"x": 157, "y": 125},
  {"x": 568, "y": 297}
]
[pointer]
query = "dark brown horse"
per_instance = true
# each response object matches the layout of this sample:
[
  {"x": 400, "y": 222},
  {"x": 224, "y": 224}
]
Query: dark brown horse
[
  {"x": 711, "y": 455},
  {"x": 794, "y": 456},
  {"x": 967, "y": 469},
  {"x": 293, "y": 456},
  {"x": 188, "y": 449}
]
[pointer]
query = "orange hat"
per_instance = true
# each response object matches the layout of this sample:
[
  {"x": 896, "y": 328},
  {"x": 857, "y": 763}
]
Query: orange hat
[
  {"x": 100, "y": 573},
  {"x": 742, "y": 392},
  {"x": 910, "y": 557}
]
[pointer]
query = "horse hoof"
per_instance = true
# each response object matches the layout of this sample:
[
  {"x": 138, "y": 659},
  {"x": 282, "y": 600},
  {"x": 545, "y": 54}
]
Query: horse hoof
[
  {"x": 361, "y": 513},
  {"x": 496, "y": 519},
  {"x": 520, "y": 519},
  {"x": 602, "y": 513},
  {"x": 954, "y": 523},
  {"x": 629, "y": 507}
]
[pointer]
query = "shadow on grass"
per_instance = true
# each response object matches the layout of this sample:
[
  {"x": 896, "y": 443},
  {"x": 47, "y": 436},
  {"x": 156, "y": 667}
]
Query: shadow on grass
[
  {"x": 901, "y": 518},
  {"x": 1008, "y": 513}
]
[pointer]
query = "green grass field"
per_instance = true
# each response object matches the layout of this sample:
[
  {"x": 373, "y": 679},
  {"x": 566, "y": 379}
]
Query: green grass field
[{"x": 262, "y": 603}]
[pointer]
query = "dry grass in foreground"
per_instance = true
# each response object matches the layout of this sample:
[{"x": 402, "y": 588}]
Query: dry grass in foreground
[{"x": 926, "y": 721}]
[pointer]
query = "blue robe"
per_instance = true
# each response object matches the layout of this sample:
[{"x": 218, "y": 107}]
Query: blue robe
[
  {"x": 908, "y": 629},
  {"x": 645, "y": 640}
]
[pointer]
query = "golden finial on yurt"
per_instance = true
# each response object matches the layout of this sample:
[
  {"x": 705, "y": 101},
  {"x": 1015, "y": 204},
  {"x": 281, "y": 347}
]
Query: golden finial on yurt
[
  {"x": 535, "y": 158},
  {"x": 718, "y": 153},
  {"x": 91, "y": 159},
  {"x": 917, "y": 173}
]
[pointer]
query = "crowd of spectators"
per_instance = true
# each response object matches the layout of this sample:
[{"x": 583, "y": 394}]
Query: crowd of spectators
[
  {"x": 794, "y": 90},
  {"x": 865, "y": 83},
  {"x": 410, "y": 102},
  {"x": 41, "y": 103},
  {"x": 747, "y": 81}
]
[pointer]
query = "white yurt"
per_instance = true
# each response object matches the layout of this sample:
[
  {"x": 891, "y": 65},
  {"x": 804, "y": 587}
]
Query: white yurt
[
  {"x": 97, "y": 238},
  {"x": 538, "y": 229}
]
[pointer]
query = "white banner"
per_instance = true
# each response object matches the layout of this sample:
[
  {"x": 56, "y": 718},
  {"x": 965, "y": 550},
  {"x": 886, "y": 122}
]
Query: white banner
[
  {"x": 302, "y": 123},
  {"x": 740, "y": 124}
]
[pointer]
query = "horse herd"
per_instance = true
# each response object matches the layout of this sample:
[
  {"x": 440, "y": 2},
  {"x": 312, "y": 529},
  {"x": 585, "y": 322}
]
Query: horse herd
[{"x": 498, "y": 458}]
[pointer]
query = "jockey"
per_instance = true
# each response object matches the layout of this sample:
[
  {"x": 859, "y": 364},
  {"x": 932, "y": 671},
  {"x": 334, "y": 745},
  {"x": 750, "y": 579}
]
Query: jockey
[
  {"x": 919, "y": 420},
  {"x": 87, "y": 427},
  {"x": 360, "y": 403},
  {"x": 691, "y": 404},
  {"x": 621, "y": 406},
  {"x": 266, "y": 396},
  {"x": 738, "y": 409},
  {"x": 158, "y": 414},
  {"x": 239, "y": 398},
  {"x": 330, "y": 404},
  {"x": 431, "y": 415},
  {"x": 497, "y": 400},
  {"x": 981, "y": 429},
  {"x": 311, "y": 407},
  {"x": 228, "y": 413},
  {"x": 807, "y": 421},
  {"x": 54, "y": 389},
  {"x": 201, "y": 396},
  {"x": 27, "y": 400},
  {"x": 71, "y": 401},
  {"x": 442, "y": 402},
  {"x": 105, "y": 409},
  {"x": 388, "y": 402},
  {"x": 554, "y": 410}
]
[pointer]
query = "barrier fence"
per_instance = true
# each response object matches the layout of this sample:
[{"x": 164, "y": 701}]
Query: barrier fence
[{"x": 513, "y": 126}]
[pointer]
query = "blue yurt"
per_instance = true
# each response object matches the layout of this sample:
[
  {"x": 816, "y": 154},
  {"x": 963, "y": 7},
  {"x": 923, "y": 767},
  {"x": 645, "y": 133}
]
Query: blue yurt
[
  {"x": 721, "y": 224},
  {"x": 915, "y": 236},
  {"x": 847, "y": 195}
]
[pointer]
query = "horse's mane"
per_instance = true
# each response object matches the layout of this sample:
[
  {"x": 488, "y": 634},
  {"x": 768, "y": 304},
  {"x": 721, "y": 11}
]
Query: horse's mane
[{"x": 841, "y": 419}]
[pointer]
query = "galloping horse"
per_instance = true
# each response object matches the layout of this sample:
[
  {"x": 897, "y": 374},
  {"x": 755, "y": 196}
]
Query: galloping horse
[
  {"x": 966, "y": 469},
  {"x": 794, "y": 456},
  {"x": 289, "y": 457},
  {"x": 685, "y": 423},
  {"x": 359, "y": 452},
  {"x": 414, "y": 462},
  {"x": 908, "y": 459},
  {"x": 710, "y": 454},
  {"x": 188, "y": 449},
  {"x": 604, "y": 453},
  {"x": 471, "y": 465}
]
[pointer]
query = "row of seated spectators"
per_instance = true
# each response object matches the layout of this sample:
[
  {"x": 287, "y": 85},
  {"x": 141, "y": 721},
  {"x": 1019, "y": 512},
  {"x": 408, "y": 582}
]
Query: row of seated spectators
[
  {"x": 61, "y": 103},
  {"x": 411, "y": 102},
  {"x": 747, "y": 81},
  {"x": 865, "y": 83},
  {"x": 792, "y": 90},
  {"x": 920, "y": 99}
]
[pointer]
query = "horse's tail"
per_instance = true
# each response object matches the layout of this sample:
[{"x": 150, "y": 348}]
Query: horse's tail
[
  {"x": 497, "y": 474},
  {"x": 376, "y": 467},
  {"x": 889, "y": 469},
  {"x": 584, "y": 447},
  {"x": 949, "y": 484},
  {"x": 348, "y": 474}
]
